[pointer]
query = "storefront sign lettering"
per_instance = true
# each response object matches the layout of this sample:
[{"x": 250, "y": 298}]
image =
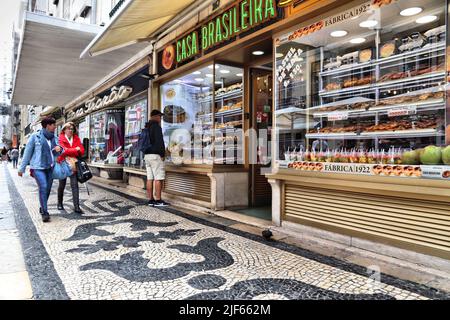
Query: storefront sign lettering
[
  {"x": 349, "y": 14},
  {"x": 382, "y": 170},
  {"x": 243, "y": 16},
  {"x": 117, "y": 94}
]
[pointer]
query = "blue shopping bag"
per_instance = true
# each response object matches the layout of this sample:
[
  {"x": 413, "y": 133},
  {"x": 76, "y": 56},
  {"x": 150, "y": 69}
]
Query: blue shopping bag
[{"x": 61, "y": 171}]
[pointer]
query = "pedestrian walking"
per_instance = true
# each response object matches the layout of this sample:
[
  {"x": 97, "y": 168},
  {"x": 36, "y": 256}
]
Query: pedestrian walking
[
  {"x": 14, "y": 157},
  {"x": 40, "y": 154},
  {"x": 22, "y": 151},
  {"x": 151, "y": 143},
  {"x": 4, "y": 155},
  {"x": 73, "y": 149}
]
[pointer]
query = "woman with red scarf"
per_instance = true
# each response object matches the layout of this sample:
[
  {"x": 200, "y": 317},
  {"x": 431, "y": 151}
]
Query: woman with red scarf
[{"x": 73, "y": 148}]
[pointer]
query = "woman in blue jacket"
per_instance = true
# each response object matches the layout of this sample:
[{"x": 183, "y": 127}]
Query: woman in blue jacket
[{"x": 41, "y": 153}]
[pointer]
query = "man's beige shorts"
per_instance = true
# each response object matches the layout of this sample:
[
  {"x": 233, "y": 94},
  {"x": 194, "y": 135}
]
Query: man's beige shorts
[{"x": 155, "y": 167}]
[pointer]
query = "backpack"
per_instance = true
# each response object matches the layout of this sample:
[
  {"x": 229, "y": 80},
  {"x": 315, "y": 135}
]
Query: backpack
[
  {"x": 144, "y": 143},
  {"x": 83, "y": 173}
]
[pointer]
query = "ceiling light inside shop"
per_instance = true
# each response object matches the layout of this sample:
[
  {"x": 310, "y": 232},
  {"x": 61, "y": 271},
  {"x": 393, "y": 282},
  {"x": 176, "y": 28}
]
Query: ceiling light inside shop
[
  {"x": 212, "y": 67},
  {"x": 239, "y": 74},
  {"x": 224, "y": 71},
  {"x": 426, "y": 19},
  {"x": 196, "y": 72},
  {"x": 339, "y": 33},
  {"x": 368, "y": 24},
  {"x": 199, "y": 79},
  {"x": 411, "y": 11},
  {"x": 279, "y": 55},
  {"x": 258, "y": 53},
  {"x": 209, "y": 75},
  {"x": 218, "y": 82},
  {"x": 358, "y": 40}
]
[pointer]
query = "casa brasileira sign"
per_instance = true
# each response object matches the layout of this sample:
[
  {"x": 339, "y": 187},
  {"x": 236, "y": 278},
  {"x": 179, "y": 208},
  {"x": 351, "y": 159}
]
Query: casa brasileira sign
[
  {"x": 94, "y": 104},
  {"x": 242, "y": 16}
]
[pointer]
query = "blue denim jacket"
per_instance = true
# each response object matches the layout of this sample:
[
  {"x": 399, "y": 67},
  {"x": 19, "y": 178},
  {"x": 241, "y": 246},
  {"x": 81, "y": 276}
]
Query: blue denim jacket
[{"x": 33, "y": 152}]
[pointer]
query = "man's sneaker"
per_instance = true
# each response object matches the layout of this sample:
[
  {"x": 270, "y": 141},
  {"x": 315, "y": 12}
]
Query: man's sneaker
[
  {"x": 46, "y": 217},
  {"x": 151, "y": 203},
  {"x": 161, "y": 203}
]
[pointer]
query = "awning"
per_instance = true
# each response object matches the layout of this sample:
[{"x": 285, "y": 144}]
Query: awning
[
  {"x": 49, "y": 69},
  {"x": 135, "y": 21}
]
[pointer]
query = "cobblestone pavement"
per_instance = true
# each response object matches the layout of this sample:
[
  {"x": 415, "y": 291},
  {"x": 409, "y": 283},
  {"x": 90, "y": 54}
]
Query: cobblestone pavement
[{"x": 122, "y": 249}]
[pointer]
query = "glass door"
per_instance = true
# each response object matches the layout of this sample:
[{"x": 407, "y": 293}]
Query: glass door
[{"x": 261, "y": 123}]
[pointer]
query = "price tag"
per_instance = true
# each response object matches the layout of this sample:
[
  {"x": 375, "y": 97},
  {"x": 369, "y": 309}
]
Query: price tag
[
  {"x": 396, "y": 112},
  {"x": 336, "y": 116}
]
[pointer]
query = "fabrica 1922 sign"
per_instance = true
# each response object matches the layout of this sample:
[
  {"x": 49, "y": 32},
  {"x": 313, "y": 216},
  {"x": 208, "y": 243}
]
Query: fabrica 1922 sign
[{"x": 243, "y": 16}]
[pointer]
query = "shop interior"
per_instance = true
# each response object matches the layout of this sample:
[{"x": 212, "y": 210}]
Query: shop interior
[
  {"x": 206, "y": 116},
  {"x": 365, "y": 90}
]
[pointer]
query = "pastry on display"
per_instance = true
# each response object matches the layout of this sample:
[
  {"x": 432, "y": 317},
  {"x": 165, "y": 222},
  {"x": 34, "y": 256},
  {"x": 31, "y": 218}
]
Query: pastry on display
[
  {"x": 365, "y": 55},
  {"x": 171, "y": 93},
  {"x": 174, "y": 114},
  {"x": 333, "y": 86},
  {"x": 388, "y": 49},
  {"x": 412, "y": 98}
]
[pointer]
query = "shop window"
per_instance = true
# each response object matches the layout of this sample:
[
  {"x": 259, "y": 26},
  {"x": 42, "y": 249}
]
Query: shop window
[
  {"x": 135, "y": 119},
  {"x": 107, "y": 137},
  {"x": 97, "y": 148},
  {"x": 228, "y": 106},
  {"x": 202, "y": 109},
  {"x": 362, "y": 92}
]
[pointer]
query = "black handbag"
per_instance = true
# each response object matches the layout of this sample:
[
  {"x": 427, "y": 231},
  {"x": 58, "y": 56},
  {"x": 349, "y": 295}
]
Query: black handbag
[{"x": 83, "y": 172}]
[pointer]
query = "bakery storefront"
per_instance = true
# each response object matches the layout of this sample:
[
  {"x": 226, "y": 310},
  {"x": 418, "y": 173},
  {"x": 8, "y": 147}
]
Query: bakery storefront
[
  {"x": 215, "y": 90},
  {"x": 109, "y": 126},
  {"x": 362, "y": 124}
]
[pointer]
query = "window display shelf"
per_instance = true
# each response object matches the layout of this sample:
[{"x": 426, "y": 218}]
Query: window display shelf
[
  {"x": 233, "y": 112},
  {"x": 361, "y": 89},
  {"x": 225, "y": 96},
  {"x": 380, "y": 134},
  {"x": 412, "y": 54},
  {"x": 385, "y": 110},
  {"x": 347, "y": 68},
  {"x": 436, "y": 76}
]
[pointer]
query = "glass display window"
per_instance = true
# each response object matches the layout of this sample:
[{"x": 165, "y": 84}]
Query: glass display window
[
  {"x": 363, "y": 92},
  {"x": 228, "y": 114},
  {"x": 97, "y": 146},
  {"x": 107, "y": 137},
  {"x": 203, "y": 115},
  {"x": 115, "y": 136},
  {"x": 135, "y": 119}
]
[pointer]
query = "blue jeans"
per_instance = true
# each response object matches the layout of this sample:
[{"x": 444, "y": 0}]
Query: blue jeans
[
  {"x": 14, "y": 161},
  {"x": 44, "y": 181}
]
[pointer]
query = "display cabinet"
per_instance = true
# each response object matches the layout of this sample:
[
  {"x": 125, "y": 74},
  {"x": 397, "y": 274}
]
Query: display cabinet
[
  {"x": 368, "y": 91},
  {"x": 203, "y": 116}
]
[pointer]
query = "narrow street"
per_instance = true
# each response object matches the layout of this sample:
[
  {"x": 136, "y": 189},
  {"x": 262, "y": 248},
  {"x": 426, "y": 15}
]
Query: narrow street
[{"x": 122, "y": 249}]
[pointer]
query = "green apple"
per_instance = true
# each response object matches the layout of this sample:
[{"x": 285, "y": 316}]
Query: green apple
[
  {"x": 431, "y": 155},
  {"x": 446, "y": 155},
  {"x": 411, "y": 157}
]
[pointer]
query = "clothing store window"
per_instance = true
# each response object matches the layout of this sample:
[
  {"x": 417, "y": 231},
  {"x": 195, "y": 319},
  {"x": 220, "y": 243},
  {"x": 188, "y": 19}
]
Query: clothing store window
[
  {"x": 97, "y": 148},
  {"x": 114, "y": 136},
  {"x": 136, "y": 117}
]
